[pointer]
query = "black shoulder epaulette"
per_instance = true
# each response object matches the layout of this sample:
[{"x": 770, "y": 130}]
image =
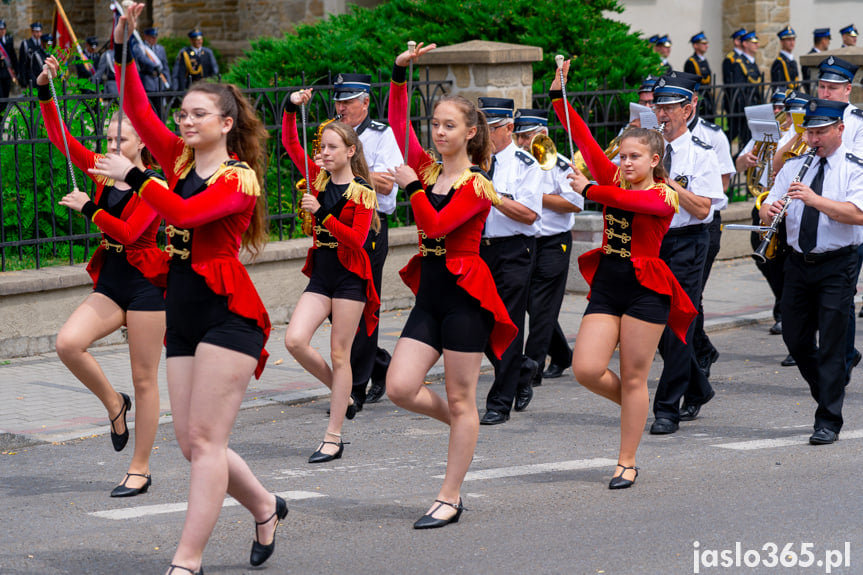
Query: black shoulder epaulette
[
  {"x": 857, "y": 112},
  {"x": 562, "y": 164},
  {"x": 792, "y": 158},
  {"x": 478, "y": 170},
  {"x": 377, "y": 126},
  {"x": 704, "y": 145},
  {"x": 852, "y": 158},
  {"x": 524, "y": 157},
  {"x": 238, "y": 164},
  {"x": 362, "y": 182},
  {"x": 710, "y": 125},
  {"x": 154, "y": 174}
]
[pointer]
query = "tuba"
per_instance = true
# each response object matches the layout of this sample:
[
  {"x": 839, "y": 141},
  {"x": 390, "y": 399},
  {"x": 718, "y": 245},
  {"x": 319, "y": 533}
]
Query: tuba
[
  {"x": 542, "y": 148},
  {"x": 302, "y": 186}
]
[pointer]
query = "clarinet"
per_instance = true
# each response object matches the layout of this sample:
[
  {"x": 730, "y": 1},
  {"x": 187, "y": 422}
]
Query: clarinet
[{"x": 760, "y": 255}]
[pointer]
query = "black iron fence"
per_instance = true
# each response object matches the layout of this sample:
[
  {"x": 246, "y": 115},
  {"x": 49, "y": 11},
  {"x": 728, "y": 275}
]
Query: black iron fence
[{"x": 37, "y": 231}]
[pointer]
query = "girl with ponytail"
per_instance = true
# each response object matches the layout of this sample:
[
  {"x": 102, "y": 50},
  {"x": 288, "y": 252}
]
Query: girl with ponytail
[
  {"x": 458, "y": 311},
  {"x": 344, "y": 207},
  {"x": 216, "y": 323}
]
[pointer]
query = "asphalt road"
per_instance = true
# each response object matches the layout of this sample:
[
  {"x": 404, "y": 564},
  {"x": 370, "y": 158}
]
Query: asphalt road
[{"x": 726, "y": 489}]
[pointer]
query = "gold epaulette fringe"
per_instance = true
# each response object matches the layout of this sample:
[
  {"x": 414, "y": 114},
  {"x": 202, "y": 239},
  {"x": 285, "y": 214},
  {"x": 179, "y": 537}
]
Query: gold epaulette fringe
[
  {"x": 670, "y": 196},
  {"x": 184, "y": 162},
  {"x": 242, "y": 173},
  {"x": 321, "y": 180},
  {"x": 361, "y": 194},
  {"x": 104, "y": 180},
  {"x": 481, "y": 185},
  {"x": 431, "y": 172}
]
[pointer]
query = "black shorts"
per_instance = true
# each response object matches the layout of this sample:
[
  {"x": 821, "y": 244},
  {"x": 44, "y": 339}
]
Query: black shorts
[
  {"x": 195, "y": 314},
  {"x": 445, "y": 316},
  {"x": 127, "y": 286},
  {"x": 615, "y": 291},
  {"x": 334, "y": 280}
]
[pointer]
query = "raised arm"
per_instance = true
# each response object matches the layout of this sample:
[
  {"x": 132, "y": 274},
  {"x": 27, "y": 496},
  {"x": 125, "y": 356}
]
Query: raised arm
[
  {"x": 594, "y": 156},
  {"x": 397, "y": 116},
  {"x": 291, "y": 141}
]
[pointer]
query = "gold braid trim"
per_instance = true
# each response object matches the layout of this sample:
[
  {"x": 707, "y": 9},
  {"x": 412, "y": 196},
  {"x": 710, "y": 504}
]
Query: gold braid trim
[
  {"x": 242, "y": 173},
  {"x": 184, "y": 162},
  {"x": 359, "y": 193},
  {"x": 431, "y": 172},
  {"x": 481, "y": 184},
  {"x": 104, "y": 180},
  {"x": 670, "y": 196},
  {"x": 321, "y": 180}
]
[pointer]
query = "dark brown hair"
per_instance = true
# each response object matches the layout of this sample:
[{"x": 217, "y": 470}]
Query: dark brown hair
[
  {"x": 479, "y": 148},
  {"x": 246, "y": 140},
  {"x": 655, "y": 144}
]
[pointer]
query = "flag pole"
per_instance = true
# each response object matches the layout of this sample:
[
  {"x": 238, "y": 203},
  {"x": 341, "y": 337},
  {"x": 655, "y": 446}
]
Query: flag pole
[{"x": 65, "y": 18}]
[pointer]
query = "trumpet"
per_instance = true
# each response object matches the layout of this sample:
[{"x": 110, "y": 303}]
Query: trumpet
[
  {"x": 760, "y": 255},
  {"x": 302, "y": 185},
  {"x": 542, "y": 148}
]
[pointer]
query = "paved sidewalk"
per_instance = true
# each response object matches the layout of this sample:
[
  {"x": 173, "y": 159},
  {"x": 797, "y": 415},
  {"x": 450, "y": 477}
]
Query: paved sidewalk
[{"x": 40, "y": 400}]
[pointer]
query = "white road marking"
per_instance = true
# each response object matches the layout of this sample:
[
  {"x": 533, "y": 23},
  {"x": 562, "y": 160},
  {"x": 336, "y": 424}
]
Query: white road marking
[
  {"x": 535, "y": 469},
  {"x": 783, "y": 441},
  {"x": 134, "y": 512}
]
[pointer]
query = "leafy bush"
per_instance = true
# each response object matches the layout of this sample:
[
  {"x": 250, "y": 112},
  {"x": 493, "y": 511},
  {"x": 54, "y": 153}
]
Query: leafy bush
[{"x": 366, "y": 40}]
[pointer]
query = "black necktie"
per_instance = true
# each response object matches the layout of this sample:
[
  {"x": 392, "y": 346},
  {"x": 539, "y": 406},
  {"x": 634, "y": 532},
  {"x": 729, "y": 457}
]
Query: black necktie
[
  {"x": 491, "y": 169},
  {"x": 808, "y": 236},
  {"x": 666, "y": 161}
]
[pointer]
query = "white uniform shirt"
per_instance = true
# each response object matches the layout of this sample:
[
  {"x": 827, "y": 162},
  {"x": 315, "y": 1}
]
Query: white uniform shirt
[
  {"x": 852, "y": 137},
  {"x": 714, "y": 136},
  {"x": 697, "y": 164},
  {"x": 518, "y": 175},
  {"x": 843, "y": 182},
  {"x": 382, "y": 153},
  {"x": 556, "y": 183}
]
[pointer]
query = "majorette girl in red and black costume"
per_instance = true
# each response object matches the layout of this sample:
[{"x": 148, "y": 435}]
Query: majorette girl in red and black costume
[
  {"x": 344, "y": 206},
  {"x": 458, "y": 312},
  {"x": 633, "y": 293},
  {"x": 123, "y": 268},
  {"x": 216, "y": 323}
]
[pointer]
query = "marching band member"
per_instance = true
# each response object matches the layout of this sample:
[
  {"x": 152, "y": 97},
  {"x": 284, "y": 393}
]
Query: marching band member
[
  {"x": 122, "y": 268},
  {"x": 633, "y": 292},
  {"x": 823, "y": 230},
  {"x": 340, "y": 275},
  {"x": 216, "y": 323},
  {"x": 458, "y": 311},
  {"x": 553, "y": 248}
]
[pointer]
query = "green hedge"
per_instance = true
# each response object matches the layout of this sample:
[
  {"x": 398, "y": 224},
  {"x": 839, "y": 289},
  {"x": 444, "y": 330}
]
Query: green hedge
[{"x": 367, "y": 40}]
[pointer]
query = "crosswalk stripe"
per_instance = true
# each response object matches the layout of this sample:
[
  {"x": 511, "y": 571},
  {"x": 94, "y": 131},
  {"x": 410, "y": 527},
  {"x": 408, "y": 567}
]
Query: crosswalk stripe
[
  {"x": 536, "y": 468},
  {"x": 142, "y": 511},
  {"x": 782, "y": 441}
]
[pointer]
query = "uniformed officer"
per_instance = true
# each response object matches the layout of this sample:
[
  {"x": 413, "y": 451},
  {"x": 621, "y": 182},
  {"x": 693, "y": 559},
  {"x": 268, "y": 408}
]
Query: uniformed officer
[
  {"x": 91, "y": 52},
  {"x": 746, "y": 72},
  {"x": 733, "y": 98},
  {"x": 8, "y": 63},
  {"x": 645, "y": 91},
  {"x": 152, "y": 62},
  {"x": 849, "y": 35},
  {"x": 820, "y": 40},
  {"x": 553, "y": 248},
  {"x": 194, "y": 62},
  {"x": 697, "y": 64},
  {"x": 834, "y": 83},
  {"x": 823, "y": 225},
  {"x": 351, "y": 95},
  {"x": 663, "y": 48},
  {"x": 105, "y": 75},
  {"x": 694, "y": 173},
  {"x": 730, "y": 59},
  {"x": 784, "y": 67},
  {"x": 508, "y": 246},
  {"x": 31, "y": 56},
  {"x": 712, "y": 135}
]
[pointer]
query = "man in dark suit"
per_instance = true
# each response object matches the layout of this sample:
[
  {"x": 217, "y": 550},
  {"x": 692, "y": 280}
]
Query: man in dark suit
[
  {"x": 733, "y": 101},
  {"x": 31, "y": 56},
  {"x": 697, "y": 64},
  {"x": 153, "y": 62},
  {"x": 194, "y": 62},
  {"x": 8, "y": 63},
  {"x": 91, "y": 51},
  {"x": 784, "y": 67}
]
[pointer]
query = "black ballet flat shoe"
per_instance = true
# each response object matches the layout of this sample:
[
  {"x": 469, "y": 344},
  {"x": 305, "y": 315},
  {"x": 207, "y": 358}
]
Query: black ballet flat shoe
[
  {"x": 428, "y": 521},
  {"x": 376, "y": 391},
  {"x": 619, "y": 482},
  {"x": 171, "y": 568},
  {"x": 261, "y": 552},
  {"x": 321, "y": 457},
  {"x": 123, "y": 491},
  {"x": 121, "y": 439},
  {"x": 352, "y": 410}
]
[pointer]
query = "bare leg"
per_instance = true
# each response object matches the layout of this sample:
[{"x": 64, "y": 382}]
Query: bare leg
[
  {"x": 146, "y": 333},
  {"x": 409, "y": 365},
  {"x": 94, "y": 319},
  {"x": 598, "y": 336},
  {"x": 311, "y": 311},
  {"x": 638, "y": 341},
  {"x": 206, "y": 393}
]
